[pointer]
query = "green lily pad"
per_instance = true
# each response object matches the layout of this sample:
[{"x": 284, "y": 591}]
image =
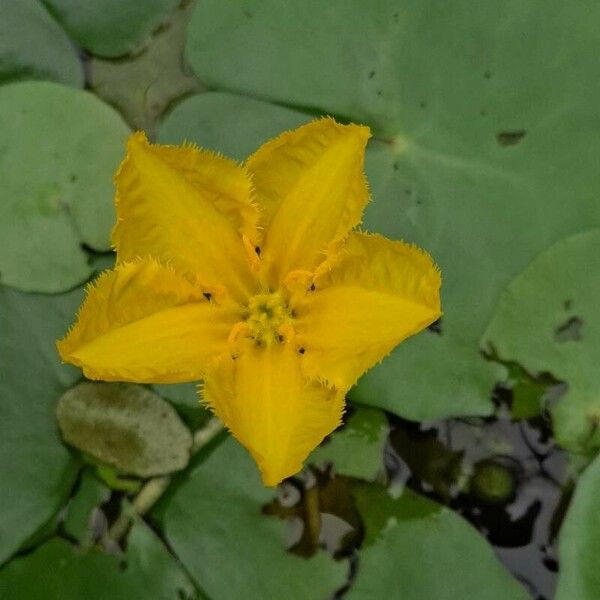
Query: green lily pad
[
  {"x": 142, "y": 86},
  {"x": 547, "y": 321},
  {"x": 420, "y": 549},
  {"x": 471, "y": 109},
  {"x": 57, "y": 570},
  {"x": 33, "y": 46},
  {"x": 36, "y": 470},
  {"x": 579, "y": 541},
  {"x": 185, "y": 398},
  {"x": 101, "y": 261},
  {"x": 180, "y": 394},
  {"x": 111, "y": 27},
  {"x": 61, "y": 147},
  {"x": 220, "y": 503},
  {"x": 125, "y": 425},
  {"x": 356, "y": 450},
  {"x": 227, "y": 123}
]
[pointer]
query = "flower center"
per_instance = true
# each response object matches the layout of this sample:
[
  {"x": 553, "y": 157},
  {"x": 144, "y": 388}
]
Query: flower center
[{"x": 268, "y": 318}]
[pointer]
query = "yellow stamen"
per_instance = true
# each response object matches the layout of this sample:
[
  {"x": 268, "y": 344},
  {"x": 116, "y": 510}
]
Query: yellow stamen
[
  {"x": 251, "y": 253},
  {"x": 268, "y": 316},
  {"x": 239, "y": 329},
  {"x": 298, "y": 278}
]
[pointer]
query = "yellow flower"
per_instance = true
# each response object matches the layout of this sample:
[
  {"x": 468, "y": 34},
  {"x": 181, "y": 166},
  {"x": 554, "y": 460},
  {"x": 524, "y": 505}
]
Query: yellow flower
[{"x": 252, "y": 279}]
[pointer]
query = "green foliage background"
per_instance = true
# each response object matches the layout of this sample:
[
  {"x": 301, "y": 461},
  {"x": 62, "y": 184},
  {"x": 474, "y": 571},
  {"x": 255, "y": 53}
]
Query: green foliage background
[{"x": 485, "y": 152}]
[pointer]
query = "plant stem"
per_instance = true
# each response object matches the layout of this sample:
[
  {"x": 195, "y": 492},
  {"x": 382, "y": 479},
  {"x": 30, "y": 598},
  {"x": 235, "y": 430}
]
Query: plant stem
[
  {"x": 154, "y": 488},
  {"x": 207, "y": 433},
  {"x": 313, "y": 514}
]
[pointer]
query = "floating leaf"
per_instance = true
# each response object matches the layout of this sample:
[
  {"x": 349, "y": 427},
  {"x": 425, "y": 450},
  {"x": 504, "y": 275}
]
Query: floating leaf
[
  {"x": 356, "y": 450},
  {"x": 124, "y": 425},
  {"x": 33, "y": 46},
  {"x": 420, "y": 550},
  {"x": 111, "y": 27},
  {"x": 579, "y": 542},
  {"x": 61, "y": 147},
  {"x": 220, "y": 503},
  {"x": 186, "y": 399},
  {"x": 35, "y": 468},
  {"x": 466, "y": 105},
  {"x": 233, "y": 125},
  {"x": 180, "y": 394},
  {"x": 547, "y": 321},
  {"x": 57, "y": 570},
  {"x": 101, "y": 261},
  {"x": 142, "y": 86}
]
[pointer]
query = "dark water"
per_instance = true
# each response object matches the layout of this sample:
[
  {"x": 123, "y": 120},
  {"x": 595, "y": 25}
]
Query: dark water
[{"x": 505, "y": 476}]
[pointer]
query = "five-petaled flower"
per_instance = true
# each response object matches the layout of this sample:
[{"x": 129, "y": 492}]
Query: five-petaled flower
[{"x": 253, "y": 279}]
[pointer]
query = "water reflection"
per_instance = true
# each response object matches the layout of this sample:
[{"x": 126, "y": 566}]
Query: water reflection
[{"x": 506, "y": 477}]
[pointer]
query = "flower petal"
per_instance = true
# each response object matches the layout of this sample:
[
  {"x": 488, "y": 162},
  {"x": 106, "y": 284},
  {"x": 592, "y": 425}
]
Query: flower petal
[
  {"x": 189, "y": 209},
  {"x": 143, "y": 322},
  {"x": 269, "y": 406},
  {"x": 311, "y": 188},
  {"x": 379, "y": 293}
]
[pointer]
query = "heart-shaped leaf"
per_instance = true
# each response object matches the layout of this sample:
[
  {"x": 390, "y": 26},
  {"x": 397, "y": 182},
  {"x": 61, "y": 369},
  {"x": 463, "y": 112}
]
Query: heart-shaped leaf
[{"x": 484, "y": 117}]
